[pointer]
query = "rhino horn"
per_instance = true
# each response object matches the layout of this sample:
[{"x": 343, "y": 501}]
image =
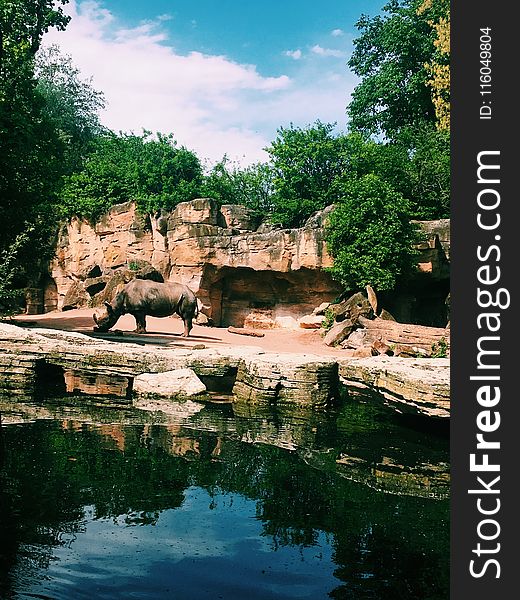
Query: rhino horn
[{"x": 94, "y": 316}]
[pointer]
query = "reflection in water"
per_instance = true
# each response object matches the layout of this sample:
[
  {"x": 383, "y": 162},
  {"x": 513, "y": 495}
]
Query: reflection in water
[{"x": 224, "y": 503}]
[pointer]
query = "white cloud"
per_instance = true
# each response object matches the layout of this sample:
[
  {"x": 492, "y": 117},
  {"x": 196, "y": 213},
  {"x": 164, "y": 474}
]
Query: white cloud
[
  {"x": 337, "y": 32},
  {"x": 211, "y": 104},
  {"x": 317, "y": 49},
  {"x": 295, "y": 54}
]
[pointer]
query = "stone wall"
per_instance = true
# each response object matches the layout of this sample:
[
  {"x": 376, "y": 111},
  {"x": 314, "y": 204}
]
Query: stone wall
[
  {"x": 237, "y": 269},
  {"x": 243, "y": 272}
]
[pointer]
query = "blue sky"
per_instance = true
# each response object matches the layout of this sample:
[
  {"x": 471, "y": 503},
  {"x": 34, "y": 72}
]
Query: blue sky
[{"x": 221, "y": 75}]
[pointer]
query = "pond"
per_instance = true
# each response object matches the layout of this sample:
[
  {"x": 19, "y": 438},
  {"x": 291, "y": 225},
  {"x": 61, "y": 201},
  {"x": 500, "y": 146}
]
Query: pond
[{"x": 220, "y": 500}]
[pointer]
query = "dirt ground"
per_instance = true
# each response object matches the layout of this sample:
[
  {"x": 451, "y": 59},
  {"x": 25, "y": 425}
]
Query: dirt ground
[{"x": 167, "y": 332}]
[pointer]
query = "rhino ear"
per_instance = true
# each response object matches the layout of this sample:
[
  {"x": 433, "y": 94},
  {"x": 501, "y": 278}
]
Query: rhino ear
[{"x": 108, "y": 305}]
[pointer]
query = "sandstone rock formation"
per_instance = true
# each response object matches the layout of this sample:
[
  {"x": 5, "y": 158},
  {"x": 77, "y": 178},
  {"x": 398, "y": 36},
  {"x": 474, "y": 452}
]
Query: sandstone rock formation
[
  {"x": 241, "y": 271},
  {"x": 30, "y": 359},
  {"x": 410, "y": 385},
  {"x": 235, "y": 270}
]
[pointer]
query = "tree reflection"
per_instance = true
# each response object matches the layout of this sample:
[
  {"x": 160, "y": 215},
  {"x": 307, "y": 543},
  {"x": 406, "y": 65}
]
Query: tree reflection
[{"x": 385, "y": 545}]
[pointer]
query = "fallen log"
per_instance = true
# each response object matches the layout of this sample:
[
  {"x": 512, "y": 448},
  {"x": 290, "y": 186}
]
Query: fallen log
[
  {"x": 394, "y": 334},
  {"x": 242, "y": 331}
]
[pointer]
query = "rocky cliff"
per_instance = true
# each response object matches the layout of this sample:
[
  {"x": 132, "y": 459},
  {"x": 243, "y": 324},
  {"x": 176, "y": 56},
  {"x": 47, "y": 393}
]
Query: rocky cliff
[{"x": 244, "y": 273}]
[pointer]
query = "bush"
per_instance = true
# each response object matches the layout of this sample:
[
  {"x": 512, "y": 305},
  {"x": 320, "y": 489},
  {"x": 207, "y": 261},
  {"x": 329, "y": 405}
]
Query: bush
[
  {"x": 153, "y": 172},
  {"x": 250, "y": 186},
  {"x": 369, "y": 235},
  {"x": 440, "y": 349},
  {"x": 305, "y": 162}
]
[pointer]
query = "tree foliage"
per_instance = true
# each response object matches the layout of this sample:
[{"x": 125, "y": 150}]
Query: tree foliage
[
  {"x": 438, "y": 67},
  {"x": 390, "y": 56},
  {"x": 30, "y": 161},
  {"x": 310, "y": 166},
  {"x": 250, "y": 186},
  {"x": 428, "y": 171},
  {"x": 71, "y": 105},
  {"x": 402, "y": 58},
  {"x": 26, "y": 143},
  {"x": 305, "y": 162},
  {"x": 369, "y": 235},
  {"x": 152, "y": 171}
]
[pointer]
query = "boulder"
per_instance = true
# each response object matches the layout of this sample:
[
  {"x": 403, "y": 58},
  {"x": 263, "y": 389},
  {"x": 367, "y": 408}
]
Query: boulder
[
  {"x": 199, "y": 211},
  {"x": 412, "y": 385},
  {"x": 320, "y": 310},
  {"x": 76, "y": 296},
  {"x": 355, "y": 306},
  {"x": 379, "y": 347},
  {"x": 319, "y": 219},
  {"x": 295, "y": 379},
  {"x": 259, "y": 319},
  {"x": 238, "y": 217},
  {"x": 338, "y": 332},
  {"x": 180, "y": 383},
  {"x": 286, "y": 322},
  {"x": 201, "y": 319},
  {"x": 363, "y": 352},
  {"x": 267, "y": 227},
  {"x": 310, "y": 322},
  {"x": 115, "y": 283},
  {"x": 357, "y": 339}
]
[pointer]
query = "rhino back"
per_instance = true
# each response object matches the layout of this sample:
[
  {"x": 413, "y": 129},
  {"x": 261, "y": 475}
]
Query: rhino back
[{"x": 152, "y": 298}]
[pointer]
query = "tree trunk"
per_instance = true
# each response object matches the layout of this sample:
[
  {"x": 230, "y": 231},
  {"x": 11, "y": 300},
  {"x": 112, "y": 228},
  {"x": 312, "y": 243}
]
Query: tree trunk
[{"x": 393, "y": 334}]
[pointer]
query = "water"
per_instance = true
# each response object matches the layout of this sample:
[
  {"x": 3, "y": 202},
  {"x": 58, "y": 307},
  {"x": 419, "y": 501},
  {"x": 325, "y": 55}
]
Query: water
[{"x": 221, "y": 501}]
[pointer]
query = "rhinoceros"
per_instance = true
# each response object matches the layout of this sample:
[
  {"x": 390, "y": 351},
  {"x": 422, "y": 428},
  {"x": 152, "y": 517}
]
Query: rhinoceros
[{"x": 143, "y": 297}]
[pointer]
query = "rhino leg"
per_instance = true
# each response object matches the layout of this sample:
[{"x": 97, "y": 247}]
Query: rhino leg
[
  {"x": 187, "y": 309},
  {"x": 140, "y": 321},
  {"x": 187, "y": 326}
]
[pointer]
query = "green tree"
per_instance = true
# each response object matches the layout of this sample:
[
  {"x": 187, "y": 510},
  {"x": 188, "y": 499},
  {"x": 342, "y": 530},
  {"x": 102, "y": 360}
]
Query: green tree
[
  {"x": 401, "y": 58},
  {"x": 369, "y": 235},
  {"x": 152, "y": 171},
  {"x": 70, "y": 105},
  {"x": 305, "y": 162},
  {"x": 311, "y": 165},
  {"x": 391, "y": 57},
  {"x": 427, "y": 171},
  {"x": 250, "y": 186},
  {"x": 438, "y": 14},
  {"x": 29, "y": 163}
]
